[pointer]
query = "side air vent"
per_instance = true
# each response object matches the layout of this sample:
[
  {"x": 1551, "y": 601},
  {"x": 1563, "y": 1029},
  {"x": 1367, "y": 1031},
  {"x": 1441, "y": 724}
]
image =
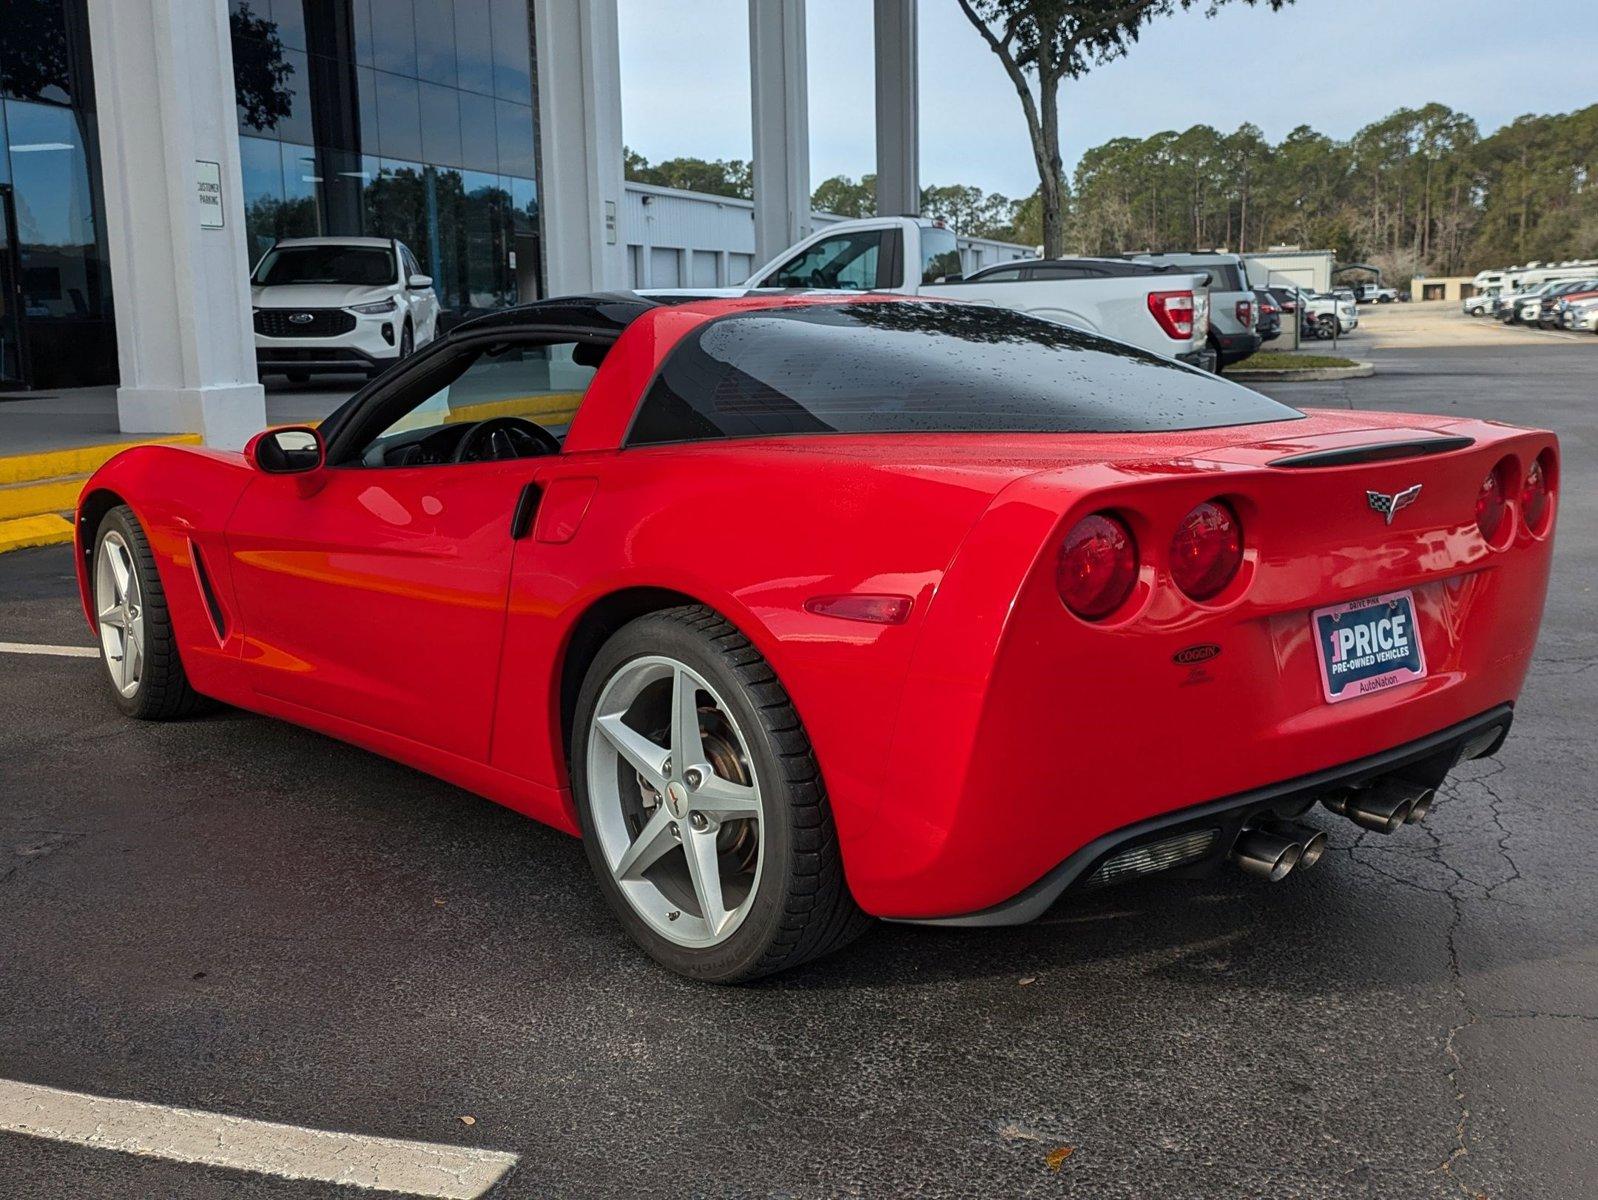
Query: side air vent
[
  {"x": 208, "y": 593},
  {"x": 1373, "y": 452}
]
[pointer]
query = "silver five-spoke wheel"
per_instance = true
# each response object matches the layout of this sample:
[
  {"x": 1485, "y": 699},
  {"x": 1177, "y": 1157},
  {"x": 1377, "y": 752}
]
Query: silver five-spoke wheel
[
  {"x": 119, "y": 605},
  {"x": 675, "y": 801}
]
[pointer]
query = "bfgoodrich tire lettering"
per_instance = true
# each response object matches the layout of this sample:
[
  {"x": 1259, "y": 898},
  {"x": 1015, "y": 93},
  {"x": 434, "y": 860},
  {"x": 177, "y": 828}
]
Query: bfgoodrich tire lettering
[{"x": 763, "y": 807}]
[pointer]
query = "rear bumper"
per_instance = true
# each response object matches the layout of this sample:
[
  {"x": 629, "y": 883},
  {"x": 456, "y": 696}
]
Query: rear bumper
[
  {"x": 1234, "y": 347},
  {"x": 1428, "y": 759}
]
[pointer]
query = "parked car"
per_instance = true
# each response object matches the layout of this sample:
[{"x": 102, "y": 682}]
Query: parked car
[
  {"x": 1331, "y": 311},
  {"x": 339, "y": 305},
  {"x": 1584, "y": 317},
  {"x": 969, "y": 570},
  {"x": 1479, "y": 304},
  {"x": 1231, "y": 325},
  {"x": 1549, "y": 316},
  {"x": 1375, "y": 293},
  {"x": 1268, "y": 321},
  {"x": 1523, "y": 306},
  {"x": 1163, "y": 312}
]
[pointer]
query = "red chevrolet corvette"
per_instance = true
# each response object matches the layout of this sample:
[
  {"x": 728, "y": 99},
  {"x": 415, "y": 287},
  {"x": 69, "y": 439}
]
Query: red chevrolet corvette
[{"x": 803, "y": 608}]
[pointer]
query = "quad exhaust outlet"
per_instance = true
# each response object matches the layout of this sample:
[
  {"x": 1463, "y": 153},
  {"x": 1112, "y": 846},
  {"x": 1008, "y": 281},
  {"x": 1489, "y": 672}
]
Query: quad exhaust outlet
[
  {"x": 1271, "y": 848},
  {"x": 1383, "y": 806}
]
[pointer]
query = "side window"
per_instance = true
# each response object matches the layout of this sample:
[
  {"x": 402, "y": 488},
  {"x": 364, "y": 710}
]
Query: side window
[
  {"x": 1003, "y": 275},
  {"x": 846, "y": 261},
  {"x": 412, "y": 267},
  {"x": 530, "y": 393},
  {"x": 940, "y": 254},
  {"x": 1053, "y": 272}
]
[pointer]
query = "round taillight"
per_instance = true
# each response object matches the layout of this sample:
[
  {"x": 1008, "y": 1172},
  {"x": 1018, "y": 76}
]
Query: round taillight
[
  {"x": 1206, "y": 550},
  {"x": 1536, "y": 491},
  {"x": 1097, "y": 567},
  {"x": 1490, "y": 503}
]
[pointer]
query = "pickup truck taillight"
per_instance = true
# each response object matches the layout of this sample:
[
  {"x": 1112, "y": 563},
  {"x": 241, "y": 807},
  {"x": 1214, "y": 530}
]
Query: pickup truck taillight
[
  {"x": 1245, "y": 314},
  {"x": 1173, "y": 311}
]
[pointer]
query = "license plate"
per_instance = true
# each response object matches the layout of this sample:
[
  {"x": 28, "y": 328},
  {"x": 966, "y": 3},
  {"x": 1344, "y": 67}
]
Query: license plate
[{"x": 1368, "y": 646}]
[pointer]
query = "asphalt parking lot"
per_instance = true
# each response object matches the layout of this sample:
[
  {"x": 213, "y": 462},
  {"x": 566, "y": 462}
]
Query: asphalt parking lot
[{"x": 233, "y": 915}]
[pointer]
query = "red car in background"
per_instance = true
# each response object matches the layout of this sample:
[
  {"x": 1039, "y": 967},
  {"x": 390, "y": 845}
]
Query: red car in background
[{"x": 802, "y": 608}]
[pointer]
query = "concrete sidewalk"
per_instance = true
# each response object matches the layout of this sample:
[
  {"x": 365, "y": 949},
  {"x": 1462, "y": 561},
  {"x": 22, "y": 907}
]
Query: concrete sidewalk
[{"x": 71, "y": 418}]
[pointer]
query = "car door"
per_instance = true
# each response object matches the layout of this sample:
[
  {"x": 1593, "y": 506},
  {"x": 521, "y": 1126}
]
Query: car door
[{"x": 373, "y": 590}]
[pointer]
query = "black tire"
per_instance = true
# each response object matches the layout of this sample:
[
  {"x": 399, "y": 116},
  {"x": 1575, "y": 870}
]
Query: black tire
[
  {"x": 802, "y": 908},
  {"x": 163, "y": 692},
  {"x": 407, "y": 344}
]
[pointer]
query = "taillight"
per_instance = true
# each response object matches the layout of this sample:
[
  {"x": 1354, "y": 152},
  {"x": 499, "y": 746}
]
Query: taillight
[
  {"x": 1173, "y": 311},
  {"x": 1206, "y": 550},
  {"x": 1536, "y": 492},
  {"x": 1097, "y": 566},
  {"x": 1490, "y": 503},
  {"x": 1245, "y": 313}
]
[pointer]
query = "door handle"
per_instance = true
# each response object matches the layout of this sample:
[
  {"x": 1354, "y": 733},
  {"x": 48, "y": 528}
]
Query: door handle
[{"x": 521, "y": 520}]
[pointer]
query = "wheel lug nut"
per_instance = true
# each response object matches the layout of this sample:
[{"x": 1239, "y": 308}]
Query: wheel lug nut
[
  {"x": 675, "y": 831},
  {"x": 697, "y": 820},
  {"x": 693, "y": 777}
]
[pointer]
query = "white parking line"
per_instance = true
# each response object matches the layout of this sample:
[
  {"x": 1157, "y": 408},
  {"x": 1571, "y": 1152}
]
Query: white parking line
[
  {"x": 264, "y": 1147},
  {"x": 59, "y": 651}
]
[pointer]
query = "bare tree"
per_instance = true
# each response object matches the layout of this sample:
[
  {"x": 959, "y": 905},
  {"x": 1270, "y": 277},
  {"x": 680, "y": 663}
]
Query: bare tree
[{"x": 1049, "y": 41}]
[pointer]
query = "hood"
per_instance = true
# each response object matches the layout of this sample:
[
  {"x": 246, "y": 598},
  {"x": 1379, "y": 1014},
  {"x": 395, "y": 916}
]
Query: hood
[{"x": 318, "y": 295}]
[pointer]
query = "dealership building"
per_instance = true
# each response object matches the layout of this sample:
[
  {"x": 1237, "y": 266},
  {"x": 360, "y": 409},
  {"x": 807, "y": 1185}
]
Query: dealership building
[{"x": 152, "y": 150}]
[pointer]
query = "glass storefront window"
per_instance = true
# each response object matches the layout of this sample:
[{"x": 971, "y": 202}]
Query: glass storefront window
[
  {"x": 435, "y": 42},
  {"x": 55, "y": 211},
  {"x": 441, "y": 152},
  {"x": 514, "y": 134},
  {"x": 513, "y": 76},
  {"x": 394, "y": 36},
  {"x": 399, "y": 117},
  {"x": 35, "y": 56},
  {"x": 479, "y": 146},
  {"x": 441, "y": 125}
]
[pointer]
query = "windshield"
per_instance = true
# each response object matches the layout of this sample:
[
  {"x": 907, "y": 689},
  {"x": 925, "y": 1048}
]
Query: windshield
[
  {"x": 356, "y": 266},
  {"x": 924, "y": 368}
]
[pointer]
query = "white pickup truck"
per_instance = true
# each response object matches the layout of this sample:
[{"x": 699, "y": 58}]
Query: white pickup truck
[{"x": 1165, "y": 312}]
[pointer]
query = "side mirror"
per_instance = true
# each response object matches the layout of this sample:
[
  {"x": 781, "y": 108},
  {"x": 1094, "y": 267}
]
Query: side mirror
[
  {"x": 419, "y": 283},
  {"x": 292, "y": 450}
]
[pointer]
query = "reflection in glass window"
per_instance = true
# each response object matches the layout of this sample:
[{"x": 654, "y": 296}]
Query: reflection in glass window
[
  {"x": 301, "y": 217},
  {"x": 435, "y": 41},
  {"x": 479, "y": 148},
  {"x": 268, "y": 78},
  {"x": 513, "y": 77},
  {"x": 394, "y": 36},
  {"x": 441, "y": 125},
  {"x": 399, "y": 117},
  {"x": 474, "y": 46},
  {"x": 261, "y": 172},
  {"x": 514, "y": 133},
  {"x": 289, "y": 17},
  {"x": 37, "y": 61},
  {"x": 55, "y": 208}
]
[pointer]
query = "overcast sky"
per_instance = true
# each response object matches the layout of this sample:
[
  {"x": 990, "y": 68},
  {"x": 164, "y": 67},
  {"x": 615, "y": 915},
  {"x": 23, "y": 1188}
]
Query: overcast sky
[{"x": 1334, "y": 64}]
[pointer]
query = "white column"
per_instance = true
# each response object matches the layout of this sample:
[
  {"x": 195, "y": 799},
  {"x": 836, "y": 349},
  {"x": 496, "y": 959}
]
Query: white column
[
  {"x": 163, "y": 81},
  {"x": 898, "y": 109},
  {"x": 781, "y": 124},
  {"x": 579, "y": 128}
]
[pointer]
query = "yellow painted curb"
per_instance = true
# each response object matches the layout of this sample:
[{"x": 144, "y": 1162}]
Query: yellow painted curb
[
  {"x": 548, "y": 406},
  {"x": 22, "y": 532},
  {"x": 52, "y": 464},
  {"x": 35, "y": 499}
]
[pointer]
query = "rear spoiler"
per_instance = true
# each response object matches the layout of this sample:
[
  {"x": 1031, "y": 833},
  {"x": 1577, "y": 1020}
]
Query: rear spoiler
[{"x": 1348, "y": 456}]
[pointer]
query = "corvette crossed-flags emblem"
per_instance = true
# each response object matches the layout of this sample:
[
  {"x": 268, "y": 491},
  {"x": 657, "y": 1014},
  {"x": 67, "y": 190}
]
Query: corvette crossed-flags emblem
[{"x": 1387, "y": 505}]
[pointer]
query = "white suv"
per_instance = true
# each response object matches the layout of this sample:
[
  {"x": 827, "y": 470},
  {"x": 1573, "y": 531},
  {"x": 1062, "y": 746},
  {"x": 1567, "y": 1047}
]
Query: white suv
[{"x": 339, "y": 305}]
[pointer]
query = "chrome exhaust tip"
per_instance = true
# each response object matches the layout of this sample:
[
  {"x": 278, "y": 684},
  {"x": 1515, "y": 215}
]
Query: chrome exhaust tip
[
  {"x": 1382, "y": 807},
  {"x": 1265, "y": 854},
  {"x": 1421, "y": 806},
  {"x": 1311, "y": 841}
]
